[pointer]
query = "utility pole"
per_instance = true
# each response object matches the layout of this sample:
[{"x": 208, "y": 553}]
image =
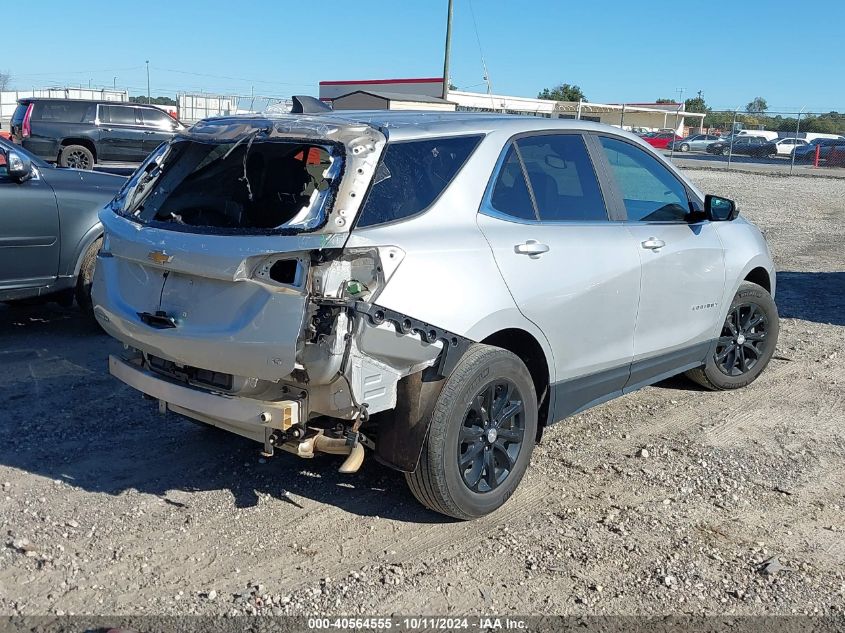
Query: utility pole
[
  {"x": 680, "y": 94},
  {"x": 148, "y": 82},
  {"x": 114, "y": 83},
  {"x": 447, "y": 52}
]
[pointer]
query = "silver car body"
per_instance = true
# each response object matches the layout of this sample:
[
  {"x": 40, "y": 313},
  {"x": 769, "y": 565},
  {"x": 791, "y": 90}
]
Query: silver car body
[
  {"x": 696, "y": 142},
  {"x": 609, "y": 311}
]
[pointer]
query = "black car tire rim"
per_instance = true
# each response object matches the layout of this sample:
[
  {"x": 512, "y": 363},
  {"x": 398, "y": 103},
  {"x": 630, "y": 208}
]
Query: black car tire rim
[
  {"x": 743, "y": 340},
  {"x": 491, "y": 436},
  {"x": 77, "y": 159}
]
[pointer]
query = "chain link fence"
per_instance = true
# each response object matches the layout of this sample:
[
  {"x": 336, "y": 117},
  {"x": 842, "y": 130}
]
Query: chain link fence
[{"x": 776, "y": 142}]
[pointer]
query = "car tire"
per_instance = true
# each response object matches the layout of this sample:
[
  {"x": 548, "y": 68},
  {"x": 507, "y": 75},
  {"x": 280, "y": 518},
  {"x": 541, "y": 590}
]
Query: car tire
[
  {"x": 76, "y": 157},
  {"x": 86, "y": 277},
  {"x": 486, "y": 379},
  {"x": 684, "y": 147},
  {"x": 735, "y": 344}
]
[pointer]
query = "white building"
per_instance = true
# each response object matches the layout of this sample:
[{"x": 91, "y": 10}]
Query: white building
[{"x": 426, "y": 94}]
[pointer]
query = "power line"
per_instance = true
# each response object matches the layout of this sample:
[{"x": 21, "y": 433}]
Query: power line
[
  {"x": 480, "y": 51},
  {"x": 257, "y": 81},
  {"x": 78, "y": 72}
]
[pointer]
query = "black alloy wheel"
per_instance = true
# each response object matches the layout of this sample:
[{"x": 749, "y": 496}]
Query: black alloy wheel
[
  {"x": 77, "y": 158},
  {"x": 743, "y": 340},
  {"x": 491, "y": 436}
]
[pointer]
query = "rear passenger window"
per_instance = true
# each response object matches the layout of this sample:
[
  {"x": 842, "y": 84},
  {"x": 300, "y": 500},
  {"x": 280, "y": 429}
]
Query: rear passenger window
[
  {"x": 650, "y": 191},
  {"x": 64, "y": 111},
  {"x": 118, "y": 115},
  {"x": 510, "y": 193},
  {"x": 562, "y": 178},
  {"x": 411, "y": 175}
]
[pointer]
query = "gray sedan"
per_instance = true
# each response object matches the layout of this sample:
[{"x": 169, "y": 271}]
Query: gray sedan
[
  {"x": 698, "y": 142},
  {"x": 49, "y": 231}
]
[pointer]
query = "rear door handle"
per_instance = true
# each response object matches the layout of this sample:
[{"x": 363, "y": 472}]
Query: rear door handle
[
  {"x": 532, "y": 248},
  {"x": 653, "y": 244}
]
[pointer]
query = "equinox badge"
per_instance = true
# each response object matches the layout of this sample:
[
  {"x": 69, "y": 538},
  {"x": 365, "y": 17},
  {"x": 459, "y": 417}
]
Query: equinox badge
[{"x": 159, "y": 257}]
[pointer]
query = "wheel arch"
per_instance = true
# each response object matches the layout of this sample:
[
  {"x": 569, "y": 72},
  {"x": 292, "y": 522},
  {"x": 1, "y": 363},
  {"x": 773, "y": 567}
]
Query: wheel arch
[
  {"x": 760, "y": 276},
  {"x": 404, "y": 428},
  {"x": 78, "y": 140},
  {"x": 82, "y": 246},
  {"x": 529, "y": 350}
]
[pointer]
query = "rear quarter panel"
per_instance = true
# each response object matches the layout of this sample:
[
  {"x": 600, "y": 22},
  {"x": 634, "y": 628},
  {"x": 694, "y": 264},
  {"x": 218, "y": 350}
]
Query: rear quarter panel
[
  {"x": 80, "y": 195},
  {"x": 448, "y": 276}
]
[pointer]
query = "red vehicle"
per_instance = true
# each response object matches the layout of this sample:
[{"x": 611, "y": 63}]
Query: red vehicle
[{"x": 660, "y": 140}]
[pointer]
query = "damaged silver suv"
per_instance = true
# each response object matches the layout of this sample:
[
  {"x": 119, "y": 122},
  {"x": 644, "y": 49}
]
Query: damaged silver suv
[{"x": 433, "y": 289}]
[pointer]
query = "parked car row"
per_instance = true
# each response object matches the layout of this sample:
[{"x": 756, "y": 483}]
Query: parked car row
[
  {"x": 759, "y": 147},
  {"x": 694, "y": 142},
  {"x": 82, "y": 134}
]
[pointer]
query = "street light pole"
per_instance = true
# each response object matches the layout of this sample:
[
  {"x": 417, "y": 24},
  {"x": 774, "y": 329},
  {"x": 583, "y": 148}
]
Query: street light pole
[
  {"x": 148, "y": 82},
  {"x": 114, "y": 83},
  {"x": 447, "y": 52}
]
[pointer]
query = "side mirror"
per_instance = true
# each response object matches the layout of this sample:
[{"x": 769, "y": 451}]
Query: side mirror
[
  {"x": 720, "y": 209},
  {"x": 19, "y": 166}
]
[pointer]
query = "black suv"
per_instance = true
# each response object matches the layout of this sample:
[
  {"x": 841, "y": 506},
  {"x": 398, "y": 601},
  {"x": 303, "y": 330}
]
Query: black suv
[{"x": 81, "y": 134}]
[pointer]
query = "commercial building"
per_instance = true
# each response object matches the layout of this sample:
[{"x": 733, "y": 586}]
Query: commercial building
[{"x": 427, "y": 93}]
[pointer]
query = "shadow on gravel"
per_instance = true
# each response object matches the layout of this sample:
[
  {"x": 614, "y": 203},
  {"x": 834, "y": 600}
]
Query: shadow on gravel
[
  {"x": 63, "y": 417},
  {"x": 818, "y": 297}
]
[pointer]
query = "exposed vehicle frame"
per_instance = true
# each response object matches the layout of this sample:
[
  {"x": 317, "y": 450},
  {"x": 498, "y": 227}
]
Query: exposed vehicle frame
[{"x": 325, "y": 334}]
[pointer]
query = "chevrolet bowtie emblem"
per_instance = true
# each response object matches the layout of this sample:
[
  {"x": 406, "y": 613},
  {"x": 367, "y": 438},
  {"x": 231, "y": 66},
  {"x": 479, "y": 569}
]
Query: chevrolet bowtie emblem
[{"x": 159, "y": 257}]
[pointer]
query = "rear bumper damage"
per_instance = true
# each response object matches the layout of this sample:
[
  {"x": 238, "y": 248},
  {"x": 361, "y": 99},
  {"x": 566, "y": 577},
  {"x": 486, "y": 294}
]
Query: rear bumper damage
[{"x": 389, "y": 364}]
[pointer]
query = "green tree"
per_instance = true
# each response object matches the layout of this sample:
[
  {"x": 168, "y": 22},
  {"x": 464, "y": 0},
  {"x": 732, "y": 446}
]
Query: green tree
[
  {"x": 665, "y": 100},
  {"x": 757, "y": 105},
  {"x": 696, "y": 104},
  {"x": 155, "y": 100},
  {"x": 563, "y": 92},
  {"x": 5, "y": 79},
  {"x": 718, "y": 120}
]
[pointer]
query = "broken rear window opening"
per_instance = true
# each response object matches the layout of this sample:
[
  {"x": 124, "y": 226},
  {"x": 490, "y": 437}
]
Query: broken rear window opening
[
  {"x": 412, "y": 175},
  {"x": 249, "y": 185}
]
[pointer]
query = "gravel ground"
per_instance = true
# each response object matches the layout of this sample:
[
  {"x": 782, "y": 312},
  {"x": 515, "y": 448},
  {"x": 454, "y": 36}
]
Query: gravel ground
[{"x": 669, "y": 500}]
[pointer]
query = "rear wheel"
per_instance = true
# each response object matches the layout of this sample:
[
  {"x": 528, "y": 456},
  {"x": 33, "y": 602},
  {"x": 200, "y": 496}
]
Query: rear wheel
[
  {"x": 481, "y": 436},
  {"x": 746, "y": 343},
  {"x": 86, "y": 277},
  {"x": 76, "y": 157},
  {"x": 684, "y": 147}
]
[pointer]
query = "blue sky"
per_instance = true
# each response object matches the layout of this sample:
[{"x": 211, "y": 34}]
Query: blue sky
[{"x": 615, "y": 50}]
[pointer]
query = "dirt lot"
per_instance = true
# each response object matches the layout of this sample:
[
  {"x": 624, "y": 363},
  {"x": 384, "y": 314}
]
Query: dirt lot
[{"x": 107, "y": 507}]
